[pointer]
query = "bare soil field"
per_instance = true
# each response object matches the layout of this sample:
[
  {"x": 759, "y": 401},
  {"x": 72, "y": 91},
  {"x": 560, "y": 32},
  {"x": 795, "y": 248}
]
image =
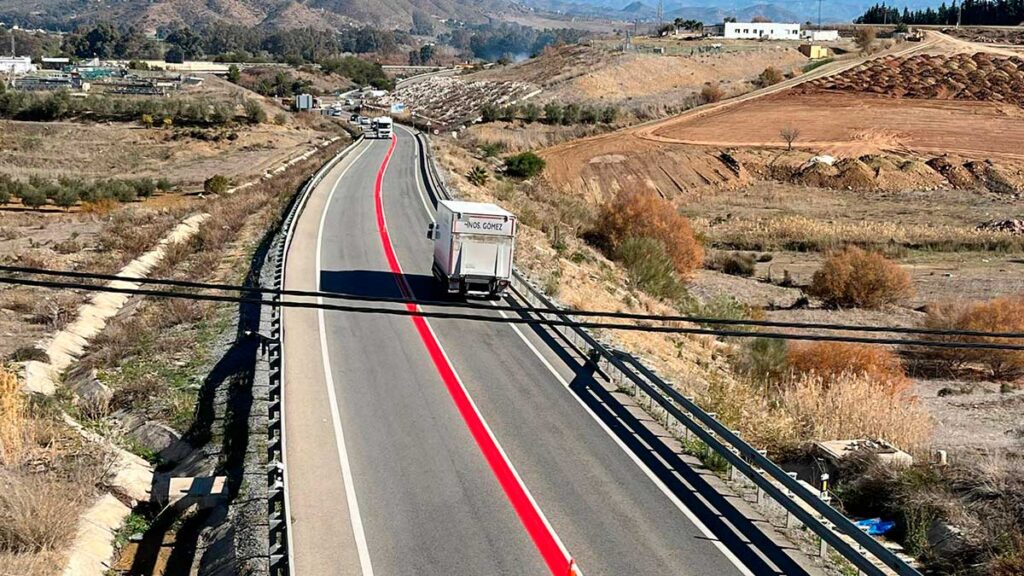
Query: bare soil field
[{"x": 856, "y": 124}]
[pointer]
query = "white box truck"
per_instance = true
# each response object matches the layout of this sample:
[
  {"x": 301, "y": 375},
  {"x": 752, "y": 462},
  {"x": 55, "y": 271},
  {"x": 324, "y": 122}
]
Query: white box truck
[
  {"x": 381, "y": 127},
  {"x": 473, "y": 247}
]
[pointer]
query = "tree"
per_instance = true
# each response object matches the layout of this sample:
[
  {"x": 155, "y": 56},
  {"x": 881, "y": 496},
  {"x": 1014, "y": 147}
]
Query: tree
[
  {"x": 609, "y": 114},
  {"x": 865, "y": 39},
  {"x": 789, "y": 135},
  {"x": 422, "y": 23},
  {"x": 216, "y": 184},
  {"x": 3, "y": 87},
  {"x": 553, "y": 113},
  {"x": 524, "y": 165},
  {"x": 66, "y": 197},
  {"x": 426, "y": 53},
  {"x": 531, "y": 112},
  {"x": 147, "y": 120},
  {"x": 710, "y": 93},
  {"x": 234, "y": 74},
  {"x": 32, "y": 197}
]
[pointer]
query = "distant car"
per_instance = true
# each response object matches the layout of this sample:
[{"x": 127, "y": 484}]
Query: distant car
[
  {"x": 354, "y": 118},
  {"x": 364, "y": 121}
]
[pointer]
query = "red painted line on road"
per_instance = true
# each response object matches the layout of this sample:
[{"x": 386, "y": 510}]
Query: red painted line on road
[{"x": 544, "y": 538}]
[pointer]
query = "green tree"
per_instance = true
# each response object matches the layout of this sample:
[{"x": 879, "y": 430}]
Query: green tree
[
  {"x": 531, "y": 112},
  {"x": 254, "y": 111},
  {"x": 524, "y": 165},
  {"x": 489, "y": 112},
  {"x": 609, "y": 114},
  {"x": 66, "y": 197},
  {"x": 32, "y": 197},
  {"x": 426, "y": 53},
  {"x": 234, "y": 74},
  {"x": 553, "y": 113},
  {"x": 570, "y": 114}
]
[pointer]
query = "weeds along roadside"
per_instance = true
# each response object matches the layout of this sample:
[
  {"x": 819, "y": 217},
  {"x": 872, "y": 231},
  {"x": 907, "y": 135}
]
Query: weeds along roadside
[
  {"x": 781, "y": 397},
  {"x": 151, "y": 360}
]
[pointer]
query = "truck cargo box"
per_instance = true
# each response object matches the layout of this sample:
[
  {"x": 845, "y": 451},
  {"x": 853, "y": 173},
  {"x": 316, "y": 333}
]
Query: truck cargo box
[{"x": 473, "y": 247}]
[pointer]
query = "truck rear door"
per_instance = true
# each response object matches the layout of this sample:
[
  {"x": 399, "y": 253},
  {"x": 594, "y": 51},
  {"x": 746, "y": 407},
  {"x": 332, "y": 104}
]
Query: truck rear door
[{"x": 479, "y": 256}]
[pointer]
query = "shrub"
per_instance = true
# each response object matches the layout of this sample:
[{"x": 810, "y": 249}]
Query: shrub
[
  {"x": 770, "y": 76},
  {"x": 835, "y": 358},
  {"x": 643, "y": 213},
  {"x": 5, "y": 195},
  {"x": 144, "y": 187},
  {"x": 216, "y": 184},
  {"x": 553, "y": 113},
  {"x": 531, "y": 112},
  {"x": 762, "y": 359},
  {"x": 491, "y": 149},
  {"x": 860, "y": 279},
  {"x": 254, "y": 111},
  {"x": 66, "y": 197},
  {"x": 734, "y": 264},
  {"x": 478, "y": 175},
  {"x": 524, "y": 165},
  {"x": 35, "y": 514},
  {"x": 1004, "y": 314},
  {"x": 710, "y": 93},
  {"x": 609, "y": 114},
  {"x": 650, "y": 268},
  {"x": 865, "y": 38},
  {"x": 12, "y": 418}
]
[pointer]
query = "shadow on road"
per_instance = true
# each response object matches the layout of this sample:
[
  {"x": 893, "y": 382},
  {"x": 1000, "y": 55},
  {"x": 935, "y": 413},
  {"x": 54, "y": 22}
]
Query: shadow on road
[
  {"x": 378, "y": 284},
  {"x": 754, "y": 549}
]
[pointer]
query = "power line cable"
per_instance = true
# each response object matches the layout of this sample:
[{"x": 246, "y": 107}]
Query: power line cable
[
  {"x": 510, "y": 320},
  {"x": 517, "y": 309}
]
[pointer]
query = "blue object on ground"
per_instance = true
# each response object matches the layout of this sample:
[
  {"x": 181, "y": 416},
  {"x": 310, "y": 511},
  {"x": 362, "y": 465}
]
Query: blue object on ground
[{"x": 875, "y": 526}]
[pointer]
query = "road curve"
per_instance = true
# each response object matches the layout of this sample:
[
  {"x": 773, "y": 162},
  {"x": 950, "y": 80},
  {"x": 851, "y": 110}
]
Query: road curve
[{"x": 387, "y": 474}]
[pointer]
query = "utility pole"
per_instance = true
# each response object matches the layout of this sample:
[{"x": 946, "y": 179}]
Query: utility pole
[
  {"x": 819, "y": 15},
  {"x": 959, "y": 14},
  {"x": 661, "y": 13}
]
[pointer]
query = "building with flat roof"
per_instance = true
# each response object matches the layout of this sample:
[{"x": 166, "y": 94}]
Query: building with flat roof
[
  {"x": 761, "y": 31},
  {"x": 16, "y": 65}
]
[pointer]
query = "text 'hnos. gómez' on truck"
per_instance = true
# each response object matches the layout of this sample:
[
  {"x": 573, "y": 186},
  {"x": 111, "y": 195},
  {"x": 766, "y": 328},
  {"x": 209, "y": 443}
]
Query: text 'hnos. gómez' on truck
[{"x": 473, "y": 247}]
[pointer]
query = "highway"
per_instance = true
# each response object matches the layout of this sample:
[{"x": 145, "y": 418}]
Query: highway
[{"x": 447, "y": 447}]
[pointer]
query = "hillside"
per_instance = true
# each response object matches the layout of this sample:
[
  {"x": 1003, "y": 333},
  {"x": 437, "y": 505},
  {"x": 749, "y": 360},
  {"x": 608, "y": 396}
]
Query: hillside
[{"x": 154, "y": 14}]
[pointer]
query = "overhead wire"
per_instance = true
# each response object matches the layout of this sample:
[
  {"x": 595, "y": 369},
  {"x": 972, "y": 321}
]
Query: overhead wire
[
  {"x": 705, "y": 321},
  {"x": 521, "y": 319}
]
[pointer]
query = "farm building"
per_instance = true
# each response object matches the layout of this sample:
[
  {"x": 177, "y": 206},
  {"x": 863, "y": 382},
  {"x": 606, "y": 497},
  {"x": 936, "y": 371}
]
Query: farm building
[
  {"x": 820, "y": 35},
  {"x": 761, "y": 30},
  {"x": 813, "y": 51},
  {"x": 16, "y": 65}
]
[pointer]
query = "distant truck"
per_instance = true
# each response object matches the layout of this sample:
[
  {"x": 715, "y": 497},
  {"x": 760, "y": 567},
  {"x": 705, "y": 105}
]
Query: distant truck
[
  {"x": 473, "y": 247},
  {"x": 381, "y": 127}
]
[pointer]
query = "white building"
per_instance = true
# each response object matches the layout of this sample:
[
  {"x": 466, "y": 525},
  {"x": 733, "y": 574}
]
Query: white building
[
  {"x": 16, "y": 65},
  {"x": 761, "y": 30},
  {"x": 820, "y": 35}
]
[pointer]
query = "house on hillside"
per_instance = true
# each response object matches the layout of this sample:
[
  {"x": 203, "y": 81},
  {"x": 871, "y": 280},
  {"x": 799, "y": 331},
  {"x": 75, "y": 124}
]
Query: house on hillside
[
  {"x": 761, "y": 31},
  {"x": 16, "y": 65}
]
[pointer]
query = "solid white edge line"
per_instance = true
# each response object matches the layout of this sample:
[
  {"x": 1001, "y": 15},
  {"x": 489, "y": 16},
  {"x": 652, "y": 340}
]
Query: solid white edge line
[
  {"x": 289, "y": 539},
  {"x": 472, "y": 402},
  {"x": 346, "y": 468},
  {"x": 636, "y": 459},
  {"x": 632, "y": 456}
]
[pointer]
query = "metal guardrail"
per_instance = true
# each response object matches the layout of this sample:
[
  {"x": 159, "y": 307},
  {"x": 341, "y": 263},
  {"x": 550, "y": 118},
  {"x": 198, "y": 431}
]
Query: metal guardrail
[
  {"x": 277, "y": 477},
  {"x": 627, "y": 372}
]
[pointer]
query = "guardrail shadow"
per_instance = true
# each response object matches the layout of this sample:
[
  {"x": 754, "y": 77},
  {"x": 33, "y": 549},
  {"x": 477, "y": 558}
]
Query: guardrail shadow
[
  {"x": 758, "y": 552},
  {"x": 377, "y": 284}
]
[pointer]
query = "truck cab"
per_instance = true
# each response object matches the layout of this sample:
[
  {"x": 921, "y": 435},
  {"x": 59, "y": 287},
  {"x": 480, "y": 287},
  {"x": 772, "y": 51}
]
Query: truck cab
[
  {"x": 382, "y": 127},
  {"x": 474, "y": 244}
]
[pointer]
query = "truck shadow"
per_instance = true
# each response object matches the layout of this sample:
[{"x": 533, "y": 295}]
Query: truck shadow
[{"x": 379, "y": 284}]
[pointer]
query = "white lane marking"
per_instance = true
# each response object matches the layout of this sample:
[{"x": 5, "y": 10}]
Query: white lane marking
[
  {"x": 339, "y": 434},
  {"x": 632, "y": 456},
  {"x": 419, "y": 182},
  {"x": 636, "y": 459}
]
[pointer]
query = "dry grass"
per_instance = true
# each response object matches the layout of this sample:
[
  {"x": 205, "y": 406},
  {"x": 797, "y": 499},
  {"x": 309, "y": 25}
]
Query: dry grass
[
  {"x": 801, "y": 233},
  {"x": 12, "y": 419},
  {"x": 854, "y": 406},
  {"x": 35, "y": 514},
  {"x": 832, "y": 359},
  {"x": 855, "y": 278}
]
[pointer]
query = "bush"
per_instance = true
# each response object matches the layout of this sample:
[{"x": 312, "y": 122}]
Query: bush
[
  {"x": 650, "y": 268},
  {"x": 478, "y": 175},
  {"x": 33, "y": 197},
  {"x": 524, "y": 165},
  {"x": 762, "y": 359},
  {"x": 865, "y": 38},
  {"x": 531, "y": 112},
  {"x": 770, "y": 77},
  {"x": 835, "y": 358},
  {"x": 216, "y": 184},
  {"x": 254, "y": 111},
  {"x": 860, "y": 279},
  {"x": 711, "y": 93},
  {"x": 1004, "y": 314},
  {"x": 645, "y": 214},
  {"x": 491, "y": 149},
  {"x": 609, "y": 114},
  {"x": 164, "y": 185},
  {"x": 553, "y": 113},
  {"x": 66, "y": 197},
  {"x": 734, "y": 264},
  {"x": 144, "y": 187}
]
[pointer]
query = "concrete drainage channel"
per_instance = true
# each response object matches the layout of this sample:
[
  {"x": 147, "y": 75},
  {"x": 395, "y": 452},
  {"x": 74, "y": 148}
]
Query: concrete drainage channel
[
  {"x": 275, "y": 477},
  {"x": 681, "y": 417}
]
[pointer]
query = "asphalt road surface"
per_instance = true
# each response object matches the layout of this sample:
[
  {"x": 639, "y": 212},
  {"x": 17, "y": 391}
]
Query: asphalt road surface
[{"x": 450, "y": 447}]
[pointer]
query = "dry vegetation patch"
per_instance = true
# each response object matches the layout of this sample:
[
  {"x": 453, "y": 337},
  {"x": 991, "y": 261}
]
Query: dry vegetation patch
[{"x": 859, "y": 279}]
